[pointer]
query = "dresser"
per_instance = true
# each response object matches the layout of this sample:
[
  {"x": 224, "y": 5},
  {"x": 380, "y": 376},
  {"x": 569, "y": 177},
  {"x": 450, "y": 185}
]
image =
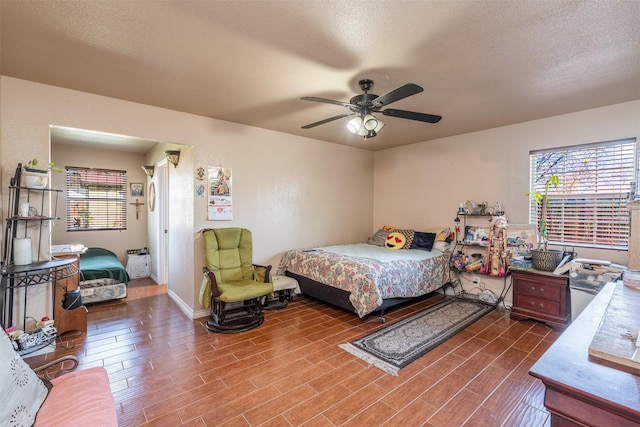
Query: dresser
[
  {"x": 580, "y": 391},
  {"x": 541, "y": 296}
]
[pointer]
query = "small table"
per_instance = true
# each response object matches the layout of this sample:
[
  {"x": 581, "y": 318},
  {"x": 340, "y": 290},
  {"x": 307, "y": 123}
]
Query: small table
[{"x": 138, "y": 266}]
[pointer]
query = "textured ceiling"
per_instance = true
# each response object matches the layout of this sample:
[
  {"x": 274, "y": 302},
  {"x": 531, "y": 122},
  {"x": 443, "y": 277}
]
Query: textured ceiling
[{"x": 482, "y": 64}]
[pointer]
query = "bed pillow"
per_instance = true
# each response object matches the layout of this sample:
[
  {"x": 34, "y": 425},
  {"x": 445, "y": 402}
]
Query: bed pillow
[
  {"x": 442, "y": 246},
  {"x": 399, "y": 239},
  {"x": 22, "y": 391},
  {"x": 445, "y": 236},
  {"x": 422, "y": 240},
  {"x": 379, "y": 237}
]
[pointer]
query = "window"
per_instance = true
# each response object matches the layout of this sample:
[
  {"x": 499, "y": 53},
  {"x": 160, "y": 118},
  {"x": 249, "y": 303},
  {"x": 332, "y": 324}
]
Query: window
[
  {"x": 96, "y": 199},
  {"x": 589, "y": 206}
]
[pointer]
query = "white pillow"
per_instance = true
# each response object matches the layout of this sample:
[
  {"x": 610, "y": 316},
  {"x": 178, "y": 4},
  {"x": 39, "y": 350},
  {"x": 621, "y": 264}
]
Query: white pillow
[
  {"x": 22, "y": 391},
  {"x": 442, "y": 246}
]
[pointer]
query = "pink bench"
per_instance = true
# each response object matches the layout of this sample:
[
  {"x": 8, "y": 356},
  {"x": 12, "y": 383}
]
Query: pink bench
[
  {"x": 32, "y": 396},
  {"x": 80, "y": 398}
]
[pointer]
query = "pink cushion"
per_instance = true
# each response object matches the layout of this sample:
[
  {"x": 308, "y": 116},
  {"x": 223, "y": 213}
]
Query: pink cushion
[{"x": 79, "y": 398}]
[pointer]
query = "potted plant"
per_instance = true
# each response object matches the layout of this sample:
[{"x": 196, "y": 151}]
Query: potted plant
[
  {"x": 37, "y": 177},
  {"x": 543, "y": 258}
]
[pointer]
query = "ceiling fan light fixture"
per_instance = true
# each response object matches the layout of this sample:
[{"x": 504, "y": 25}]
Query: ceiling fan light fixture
[
  {"x": 369, "y": 122},
  {"x": 364, "y": 123},
  {"x": 354, "y": 124}
]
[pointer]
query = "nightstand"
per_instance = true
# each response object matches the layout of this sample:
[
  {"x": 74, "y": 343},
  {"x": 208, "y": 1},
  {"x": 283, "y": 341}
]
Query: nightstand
[{"x": 541, "y": 296}]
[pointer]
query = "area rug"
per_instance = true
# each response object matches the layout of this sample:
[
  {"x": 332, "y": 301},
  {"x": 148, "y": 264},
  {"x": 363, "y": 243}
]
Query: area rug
[{"x": 395, "y": 346}]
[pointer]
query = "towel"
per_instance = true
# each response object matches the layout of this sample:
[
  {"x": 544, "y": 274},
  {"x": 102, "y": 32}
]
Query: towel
[{"x": 205, "y": 291}]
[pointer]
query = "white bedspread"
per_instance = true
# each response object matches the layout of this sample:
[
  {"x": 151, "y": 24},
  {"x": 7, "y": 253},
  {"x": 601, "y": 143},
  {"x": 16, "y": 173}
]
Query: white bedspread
[{"x": 379, "y": 253}]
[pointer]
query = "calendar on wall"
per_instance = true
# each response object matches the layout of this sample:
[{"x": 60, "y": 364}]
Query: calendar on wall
[{"x": 219, "y": 199}]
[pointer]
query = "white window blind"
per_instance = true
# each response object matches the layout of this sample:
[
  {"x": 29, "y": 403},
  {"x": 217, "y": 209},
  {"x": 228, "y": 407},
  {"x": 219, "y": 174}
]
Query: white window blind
[
  {"x": 96, "y": 199},
  {"x": 589, "y": 206}
]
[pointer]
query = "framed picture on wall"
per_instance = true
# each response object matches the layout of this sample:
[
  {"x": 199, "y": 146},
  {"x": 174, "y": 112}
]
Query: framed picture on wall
[
  {"x": 136, "y": 189},
  {"x": 219, "y": 198},
  {"x": 521, "y": 238}
]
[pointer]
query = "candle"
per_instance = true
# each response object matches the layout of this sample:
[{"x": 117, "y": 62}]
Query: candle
[{"x": 22, "y": 251}]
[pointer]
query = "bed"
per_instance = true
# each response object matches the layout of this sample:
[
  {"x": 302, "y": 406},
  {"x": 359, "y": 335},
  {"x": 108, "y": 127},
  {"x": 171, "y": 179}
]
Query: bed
[
  {"x": 102, "y": 276},
  {"x": 366, "y": 278}
]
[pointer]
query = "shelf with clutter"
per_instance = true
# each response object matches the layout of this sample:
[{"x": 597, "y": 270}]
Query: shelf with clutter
[
  {"x": 30, "y": 210},
  {"x": 485, "y": 230}
]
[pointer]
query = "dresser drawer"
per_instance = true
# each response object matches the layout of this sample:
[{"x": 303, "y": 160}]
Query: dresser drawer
[
  {"x": 541, "y": 296},
  {"x": 539, "y": 305},
  {"x": 538, "y": 290}
]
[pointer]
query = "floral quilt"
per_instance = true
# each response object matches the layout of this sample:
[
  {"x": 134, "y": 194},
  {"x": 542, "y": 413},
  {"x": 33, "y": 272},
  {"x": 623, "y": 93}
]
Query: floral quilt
[{"x": 370, "y": 273}]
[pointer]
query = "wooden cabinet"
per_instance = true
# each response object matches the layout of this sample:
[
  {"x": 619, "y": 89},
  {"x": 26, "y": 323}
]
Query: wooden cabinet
[
  {"x": 542, "y": 296},
  {"x": 579, "y": 391},
  {"x": 74, "y": 319}
]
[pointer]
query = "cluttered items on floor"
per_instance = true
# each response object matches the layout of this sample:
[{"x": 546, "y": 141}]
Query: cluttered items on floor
[{"x": 591, "y": 274}]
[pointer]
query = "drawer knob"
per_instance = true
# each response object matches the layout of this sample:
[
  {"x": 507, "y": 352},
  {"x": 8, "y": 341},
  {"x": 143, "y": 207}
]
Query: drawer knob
[{"x": 533, "y": 289}]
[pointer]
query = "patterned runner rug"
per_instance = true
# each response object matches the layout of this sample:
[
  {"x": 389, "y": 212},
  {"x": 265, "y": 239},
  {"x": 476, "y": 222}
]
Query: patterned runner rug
[{"x": 395, "y": 346}]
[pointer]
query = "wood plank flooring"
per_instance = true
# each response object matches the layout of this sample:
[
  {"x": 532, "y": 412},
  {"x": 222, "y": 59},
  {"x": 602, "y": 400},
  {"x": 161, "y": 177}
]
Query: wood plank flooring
[{"x": 168, "y": 370}]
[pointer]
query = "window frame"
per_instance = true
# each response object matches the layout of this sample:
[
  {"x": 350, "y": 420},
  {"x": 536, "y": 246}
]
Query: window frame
[
  {"x": 109, "y": 199},
  {"x": 589, "y": 206}
]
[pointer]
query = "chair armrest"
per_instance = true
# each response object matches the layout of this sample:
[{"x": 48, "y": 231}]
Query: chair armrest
[
  {"x": 261, "y": 273},
  {"x": 46, "y": 369}
]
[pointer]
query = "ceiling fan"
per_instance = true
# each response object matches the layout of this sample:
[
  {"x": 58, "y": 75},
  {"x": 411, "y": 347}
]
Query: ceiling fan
[{"x": 363, "y": 106}]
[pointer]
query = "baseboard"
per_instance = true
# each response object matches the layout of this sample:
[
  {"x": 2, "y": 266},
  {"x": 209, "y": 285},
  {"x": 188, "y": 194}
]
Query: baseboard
[
  {"x": 201, "y": 313},
  {"x": 183, "y": 306}
]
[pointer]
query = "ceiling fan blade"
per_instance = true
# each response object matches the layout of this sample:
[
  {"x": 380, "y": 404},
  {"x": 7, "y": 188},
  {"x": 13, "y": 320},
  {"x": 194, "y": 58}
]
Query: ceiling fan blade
[
  {"x": 421, "y": 117},
  {"x": 330, "y": 119},
  {"x": 328, "y": 101},
  {"x": 397, "y": 94}
]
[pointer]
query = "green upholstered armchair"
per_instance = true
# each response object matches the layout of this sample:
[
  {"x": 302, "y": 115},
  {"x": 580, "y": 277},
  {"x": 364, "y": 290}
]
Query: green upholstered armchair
[{"x": 237, "y": 286}]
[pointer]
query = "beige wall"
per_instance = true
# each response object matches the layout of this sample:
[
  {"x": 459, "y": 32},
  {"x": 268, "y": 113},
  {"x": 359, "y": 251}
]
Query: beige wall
[
  {"x": 291, "y": 192},
  {"x": 296, "y": 192},
  {"x": 421, "y": 185}
]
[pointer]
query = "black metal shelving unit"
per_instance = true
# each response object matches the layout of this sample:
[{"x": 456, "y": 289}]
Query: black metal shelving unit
[{"x": 39, "y": 272}]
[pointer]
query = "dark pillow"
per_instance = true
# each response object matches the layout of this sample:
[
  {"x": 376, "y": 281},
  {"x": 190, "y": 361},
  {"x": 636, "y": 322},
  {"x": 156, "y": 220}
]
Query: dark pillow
[{"x": 423, "y": 240}]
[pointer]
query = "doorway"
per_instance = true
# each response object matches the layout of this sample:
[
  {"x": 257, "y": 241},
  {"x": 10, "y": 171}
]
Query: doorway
[{"x": 161, "y": 229}]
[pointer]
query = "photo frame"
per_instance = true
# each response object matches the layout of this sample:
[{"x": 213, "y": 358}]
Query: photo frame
[
  {"x": 521, "y": 238},
  {"x": 136, "y": 189}
]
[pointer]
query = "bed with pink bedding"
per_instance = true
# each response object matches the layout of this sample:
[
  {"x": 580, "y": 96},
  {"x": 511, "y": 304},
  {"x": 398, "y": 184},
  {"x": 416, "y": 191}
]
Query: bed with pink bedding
[{"x": 364, "y": 278}]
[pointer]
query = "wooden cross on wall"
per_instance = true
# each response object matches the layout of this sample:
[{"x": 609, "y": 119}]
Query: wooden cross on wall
[{"x": 137, "y": 204}]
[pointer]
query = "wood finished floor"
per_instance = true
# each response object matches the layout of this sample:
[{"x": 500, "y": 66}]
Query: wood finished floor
[{"x": 168, "y": 370}]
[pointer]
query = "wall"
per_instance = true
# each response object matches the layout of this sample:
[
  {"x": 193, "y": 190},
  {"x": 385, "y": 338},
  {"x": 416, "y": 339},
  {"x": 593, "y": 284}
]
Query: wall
[
  {"x": 117, "y": 241},
  {"x": 422, "y": 185},
  {"x": 290, "y": 191}
]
